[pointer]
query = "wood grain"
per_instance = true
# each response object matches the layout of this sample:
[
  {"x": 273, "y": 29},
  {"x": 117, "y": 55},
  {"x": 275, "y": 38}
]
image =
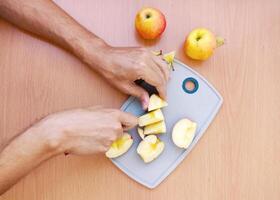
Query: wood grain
[{"x": 239, "y": 156}]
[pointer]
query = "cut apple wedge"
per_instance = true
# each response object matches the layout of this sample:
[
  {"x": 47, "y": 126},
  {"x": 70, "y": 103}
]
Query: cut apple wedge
[
  {"x": 155, "y": 102},
  {"x": 155, "y": 128},
  {"x": 169, "y": 57},
  {"x": 150, "y": 148},
  {"x": 120, "y": 146},
  {"x": 141, "y": 133},
  {"x": 150, "y": 118},
  {"x": 183, "y": 133}
]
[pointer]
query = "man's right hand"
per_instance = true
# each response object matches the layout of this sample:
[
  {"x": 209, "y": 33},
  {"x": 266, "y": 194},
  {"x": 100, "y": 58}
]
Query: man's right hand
[
  {"x": 80, "y": 131},
  {"x": 84, "y": 131}
]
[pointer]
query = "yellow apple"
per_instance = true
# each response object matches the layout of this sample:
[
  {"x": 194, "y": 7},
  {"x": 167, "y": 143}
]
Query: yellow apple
[
  {"x": 201, "y": 43},
  {"x": 183, "y": 133},
  {"x": 155, "y": 128},
  {"x": 150, "y": 118},
  {"x": 150, "y": 148},
  {"x": 150, "y": 23},
  {"x": 141, "y": 133},
  {"x": 156, "y": 102},
  {"x": 120, "y": 146}
]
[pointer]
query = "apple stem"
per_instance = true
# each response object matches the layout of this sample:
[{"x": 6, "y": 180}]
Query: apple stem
[
  {"x": 220, "y": 41},
  {"x": 172, "y": 67},
  {"x": 157, "y": 53}
]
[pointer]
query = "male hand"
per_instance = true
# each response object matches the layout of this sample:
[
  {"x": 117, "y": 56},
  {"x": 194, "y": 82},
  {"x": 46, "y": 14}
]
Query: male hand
[
  {"x": 122, "y": 66},
  {"x": 84, "y": 131}
]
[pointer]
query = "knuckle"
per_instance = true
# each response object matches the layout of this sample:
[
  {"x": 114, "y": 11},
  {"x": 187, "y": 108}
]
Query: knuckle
[
  {"x": 111, "y": 139},
  {"x": 108, "y": 142},
  {"x": 142, "y": 48},
  {"x": 104, "y": 148},
  {"x": 145, "y": 54},
  {"x": 118, "y": 128},
  {"x": 114, "y": 113},
  {"x": 114, "y": 137},
  {"x": 139, "y": 69},
  {"x": 141, "y": 65}
]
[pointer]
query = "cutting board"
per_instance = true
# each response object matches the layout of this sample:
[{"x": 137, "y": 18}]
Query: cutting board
[{"x": 200, "y": 104}]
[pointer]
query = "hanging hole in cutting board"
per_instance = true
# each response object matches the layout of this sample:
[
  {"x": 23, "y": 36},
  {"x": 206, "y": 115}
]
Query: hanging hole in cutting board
[{"x": 190, "y": 85}]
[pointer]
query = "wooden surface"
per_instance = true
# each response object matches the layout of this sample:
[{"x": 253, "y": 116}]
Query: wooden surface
[{"x": 239, "y": 155}]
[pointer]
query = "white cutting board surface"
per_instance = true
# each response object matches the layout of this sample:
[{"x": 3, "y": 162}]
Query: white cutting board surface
[{"x": 200, "y": 106}]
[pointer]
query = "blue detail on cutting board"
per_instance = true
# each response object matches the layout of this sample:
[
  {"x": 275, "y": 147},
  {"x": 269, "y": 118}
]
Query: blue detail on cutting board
[
  {"x": 200, "y": 107},
  {"x": 192, "y": 80}
]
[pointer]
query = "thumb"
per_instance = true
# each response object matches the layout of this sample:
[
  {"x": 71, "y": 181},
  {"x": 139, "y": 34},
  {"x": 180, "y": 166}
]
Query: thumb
[
  {"x": 127, "y": 120},
  {"x": 140, "y": 93}
]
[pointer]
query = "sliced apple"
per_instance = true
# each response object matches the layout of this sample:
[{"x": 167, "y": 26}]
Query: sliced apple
[
  {"x": 150, "y": 118},
  {"x": 169, "y": 58},
  {"x": 183, "y": 133},
  {"x": 141, "y": 133},
  {"x": 150, "y": 148},
  {"x": 155, "y": 102},
  {"x": 155, "y": 128},
  {"x": 120, "y": 146}
]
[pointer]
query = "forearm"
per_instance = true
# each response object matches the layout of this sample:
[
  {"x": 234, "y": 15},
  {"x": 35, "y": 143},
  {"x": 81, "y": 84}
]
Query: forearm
[
  {"x": 80, "y": 132},
  {"x": 22, "y": 155},
  {"x": 45, "y": 19}
]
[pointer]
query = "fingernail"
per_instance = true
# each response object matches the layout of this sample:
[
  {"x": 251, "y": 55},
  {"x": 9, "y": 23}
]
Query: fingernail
[{"x": 145, "y": 103}]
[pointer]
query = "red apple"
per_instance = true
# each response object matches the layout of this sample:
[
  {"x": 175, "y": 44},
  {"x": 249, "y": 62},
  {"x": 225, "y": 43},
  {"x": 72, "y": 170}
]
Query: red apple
[{"x": 150, "y": 23}]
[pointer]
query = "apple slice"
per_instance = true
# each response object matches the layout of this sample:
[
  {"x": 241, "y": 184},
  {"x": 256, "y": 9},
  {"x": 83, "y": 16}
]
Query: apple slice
[
  {"x": 150, "y": 148},
  {"x": 150, "y": 118},
  {"x": 141, "y": 133},
  {"x": 155, "y": 128},
  {"x": 169, "y": 58},
  {"x": 183, "y": 133},
  {"x": 155, "y": 102},
  {"x": 120, "y": 146}
]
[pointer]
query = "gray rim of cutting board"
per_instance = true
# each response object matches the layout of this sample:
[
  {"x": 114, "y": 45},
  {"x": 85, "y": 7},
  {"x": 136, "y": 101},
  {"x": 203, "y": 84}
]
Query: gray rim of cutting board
[{"x": 187, "y": 151}]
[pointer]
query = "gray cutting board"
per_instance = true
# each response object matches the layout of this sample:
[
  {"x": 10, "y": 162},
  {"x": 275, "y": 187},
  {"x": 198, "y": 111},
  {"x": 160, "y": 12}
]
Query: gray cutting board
[{"x": 200, "y": 106}]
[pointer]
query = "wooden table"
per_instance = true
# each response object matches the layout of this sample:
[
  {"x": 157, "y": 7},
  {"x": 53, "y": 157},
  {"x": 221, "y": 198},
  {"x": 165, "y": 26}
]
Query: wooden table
[{"x": 239, "y": 155}]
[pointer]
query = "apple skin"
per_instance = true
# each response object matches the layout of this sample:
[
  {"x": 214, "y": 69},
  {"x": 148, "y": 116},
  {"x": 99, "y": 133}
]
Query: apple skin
[
  {"x": 141, "y": 133},
  {"x": 200, "y": 44},
  {"x": 150, "y": 23}
]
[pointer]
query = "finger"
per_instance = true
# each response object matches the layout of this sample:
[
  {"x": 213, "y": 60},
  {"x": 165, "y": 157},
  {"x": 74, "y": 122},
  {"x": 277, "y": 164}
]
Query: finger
[
  {"x": 154, "y": 76},
  {"x": 141, "y": 94},
  {"x": 127, "y": 120},
  {"x": 158, "y": 72},
  {"x": 136, "y": 91},
  {"x": 162, "y": 91},
  {"x": 119, "y": 132},
  {"x": 157, "y": 81},
  {"x": 163, "y": 66},
  {"x": 94, "y": 108}
]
